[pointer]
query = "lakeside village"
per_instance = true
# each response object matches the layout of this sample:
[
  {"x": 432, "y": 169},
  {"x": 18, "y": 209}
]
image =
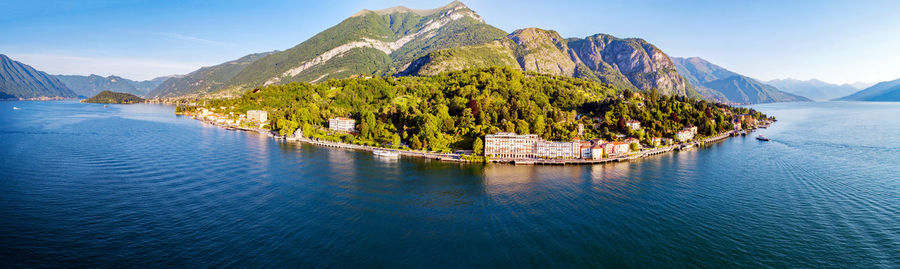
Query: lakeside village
[{"x": 501, "y": 147}]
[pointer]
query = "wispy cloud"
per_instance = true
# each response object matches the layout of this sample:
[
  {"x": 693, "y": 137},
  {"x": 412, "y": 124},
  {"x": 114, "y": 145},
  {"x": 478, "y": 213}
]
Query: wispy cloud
[
  {"x": 193, "y": 39},
  {"x": 131, "y": 68}
]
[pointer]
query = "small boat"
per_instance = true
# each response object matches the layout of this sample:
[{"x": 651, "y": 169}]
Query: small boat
[
  {"x": 16, "y": 108},
  {"x": 762, "y": 138},
  {"x": 105, "y": 106},
  {"x": 386, "y": 153}
]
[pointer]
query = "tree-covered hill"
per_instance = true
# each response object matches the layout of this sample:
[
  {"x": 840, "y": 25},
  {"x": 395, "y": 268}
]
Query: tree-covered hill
[
  {"x": 450, "y": 110},
  {"x": 109, "y": 97}
]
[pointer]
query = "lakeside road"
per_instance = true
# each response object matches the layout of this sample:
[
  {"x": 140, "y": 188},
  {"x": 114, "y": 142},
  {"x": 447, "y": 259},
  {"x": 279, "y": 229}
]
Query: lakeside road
[{"x": 455, "y": 157}]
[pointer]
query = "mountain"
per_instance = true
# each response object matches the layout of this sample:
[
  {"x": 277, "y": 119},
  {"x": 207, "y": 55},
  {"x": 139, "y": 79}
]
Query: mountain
[
  {"x": 404, "y": 41},
  {"x": 145, "y": 87},
  {"x": 370, "y": 42},
  {"x": 718, "y": 83},
  {"x": 94, "y": 84},
  {"x": 20, "y": 81},
  {"x": 110, "y": 97},
  {"x": 814, "y": 89},
  {"x": 862, "y": 85},
  {"x": 888, "y": 91},
  {"x": 630, "y": 63},
  {"x": 204, "y": 80}
]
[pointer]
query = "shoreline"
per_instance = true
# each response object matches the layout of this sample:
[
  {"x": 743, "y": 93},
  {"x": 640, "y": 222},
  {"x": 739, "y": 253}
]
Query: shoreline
[{"x": 455, "y": 157}]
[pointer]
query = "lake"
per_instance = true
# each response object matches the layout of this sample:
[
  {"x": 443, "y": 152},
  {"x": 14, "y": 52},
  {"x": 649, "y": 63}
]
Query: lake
[{"x": 82, "y": 185}]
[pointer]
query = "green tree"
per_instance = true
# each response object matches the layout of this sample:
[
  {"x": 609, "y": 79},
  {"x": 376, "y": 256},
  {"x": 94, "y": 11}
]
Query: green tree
[{"x": 478, "y": 146}]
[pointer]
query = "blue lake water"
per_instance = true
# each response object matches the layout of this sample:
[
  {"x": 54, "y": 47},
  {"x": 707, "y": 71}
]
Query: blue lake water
[{"x": 136, "y": 186}]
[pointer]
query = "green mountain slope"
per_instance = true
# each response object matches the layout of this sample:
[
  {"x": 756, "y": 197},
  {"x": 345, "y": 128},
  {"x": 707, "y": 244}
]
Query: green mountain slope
[
  {"x": 717, "y": 83},
  {"x": 204, "y": 80},
  {"x": 626, "y": 63},
  {"x": 370, "y": 42},
  {"x": 888, "y": 91},
  {"x": 814, "y": 89},
  {"x": 20, "y": 81}
]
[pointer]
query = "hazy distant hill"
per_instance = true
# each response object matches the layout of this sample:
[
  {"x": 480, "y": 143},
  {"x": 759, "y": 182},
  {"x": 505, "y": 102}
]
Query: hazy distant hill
[
  {"x": 94, "y": 84},
  {"x": 884, "y": 91},
  {"x": 721, "y": 84},
  {"x": 204, "y": 80},
  {"x": 814, "y": 89},
  {"x": 20, "y": 81}
]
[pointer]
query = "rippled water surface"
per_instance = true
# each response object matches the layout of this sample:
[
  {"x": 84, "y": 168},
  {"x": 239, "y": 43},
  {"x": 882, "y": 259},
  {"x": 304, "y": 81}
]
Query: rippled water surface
[{"x": 134, "y": 185}]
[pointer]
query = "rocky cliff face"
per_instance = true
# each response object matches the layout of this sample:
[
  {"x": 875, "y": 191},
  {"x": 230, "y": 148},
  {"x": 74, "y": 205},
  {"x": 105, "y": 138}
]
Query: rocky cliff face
[
  {"x": 643, "y": 65},
  {"x": 542, "y": 51},
  {"x": 626, "y": 63}
]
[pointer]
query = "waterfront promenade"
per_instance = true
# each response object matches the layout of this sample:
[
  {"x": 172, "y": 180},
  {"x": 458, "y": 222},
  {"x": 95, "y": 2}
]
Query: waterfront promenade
[{"x": 455, "y": 157}]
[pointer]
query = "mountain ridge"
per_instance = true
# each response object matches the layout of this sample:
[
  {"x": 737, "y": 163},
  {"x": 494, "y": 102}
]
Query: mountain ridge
[
  {"x": 724, "y": 85},
  {"x": 813, "y": 88},
  {"x": 93, "y": 84},
  {"x": 21, "y": 81},
  {"x": 886, "y": 91}
]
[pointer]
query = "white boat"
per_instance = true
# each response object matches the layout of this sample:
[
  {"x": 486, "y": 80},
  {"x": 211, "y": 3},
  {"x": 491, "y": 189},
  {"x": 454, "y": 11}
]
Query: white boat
[
  {"x": 16, "y": 108},
  {"x": 762, "y": 138},
  {"x": 386, "y": 153}
]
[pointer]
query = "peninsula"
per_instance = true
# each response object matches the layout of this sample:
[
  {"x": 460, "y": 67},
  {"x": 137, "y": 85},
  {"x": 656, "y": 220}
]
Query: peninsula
[
  {"x": 493, "y": 114},
  {"x": 110, "y": 97}
]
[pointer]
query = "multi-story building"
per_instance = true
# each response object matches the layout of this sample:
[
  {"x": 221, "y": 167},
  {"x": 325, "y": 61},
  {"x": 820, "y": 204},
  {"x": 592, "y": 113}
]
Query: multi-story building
[
  {"x": 684, "y": 135},
  {"x": 656, "y": 141},
  {"x": 510, "y": 145},
  {"x": 631, "y": 140},
  {"x": 586, "y": 151},
  {"x": 615, "y": 148},
  {"x": 556, "y": 149},
  {"x": 258, "y": 116},
  {"x": 691, "y": 128},
  {"x": 746, "y": 120},
  {"x": 516, "y": 146},
  {"x": 342, "y": 124},
  {"x": 633, "y": 125}
]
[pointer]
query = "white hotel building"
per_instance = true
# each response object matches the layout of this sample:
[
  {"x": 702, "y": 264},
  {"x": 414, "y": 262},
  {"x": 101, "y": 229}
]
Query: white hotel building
[
  {"x": 510, "y": 145},
  {"x": 342, "y": 124},
  {"x": 515, "y": 146}
]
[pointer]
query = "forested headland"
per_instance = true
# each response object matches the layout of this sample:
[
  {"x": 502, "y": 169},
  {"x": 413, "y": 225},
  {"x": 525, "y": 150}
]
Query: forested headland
[{"x": 454, "y": 110}]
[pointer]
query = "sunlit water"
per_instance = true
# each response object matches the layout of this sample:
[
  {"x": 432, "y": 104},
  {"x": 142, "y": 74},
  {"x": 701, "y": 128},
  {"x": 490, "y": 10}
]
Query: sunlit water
[{"x": 133, "y": 185}]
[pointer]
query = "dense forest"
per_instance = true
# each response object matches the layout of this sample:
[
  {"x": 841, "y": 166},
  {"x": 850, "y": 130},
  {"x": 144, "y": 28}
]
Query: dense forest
[
  {"x": 110, "y": 97},
  {"x": 452, "y": 110}
]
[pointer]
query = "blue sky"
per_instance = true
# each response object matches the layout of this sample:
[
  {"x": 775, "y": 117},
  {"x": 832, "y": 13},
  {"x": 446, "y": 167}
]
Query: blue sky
[{"x": 835, "y": 41}]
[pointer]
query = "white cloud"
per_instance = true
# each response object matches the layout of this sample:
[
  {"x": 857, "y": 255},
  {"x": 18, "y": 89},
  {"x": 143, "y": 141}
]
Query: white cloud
[{"x": 131, "y": 68}]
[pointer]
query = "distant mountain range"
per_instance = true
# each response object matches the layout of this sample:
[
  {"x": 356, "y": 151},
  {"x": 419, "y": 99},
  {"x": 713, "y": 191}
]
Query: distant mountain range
[
  {"x": 888, "y": 91},
  {"x": 400, "y": 41},
  {"x": 717, "y": 83},
  {"x": 21, "y": 81},
  {"x": 87, "y": 86},
  {"x": 814, "y": 89}
]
